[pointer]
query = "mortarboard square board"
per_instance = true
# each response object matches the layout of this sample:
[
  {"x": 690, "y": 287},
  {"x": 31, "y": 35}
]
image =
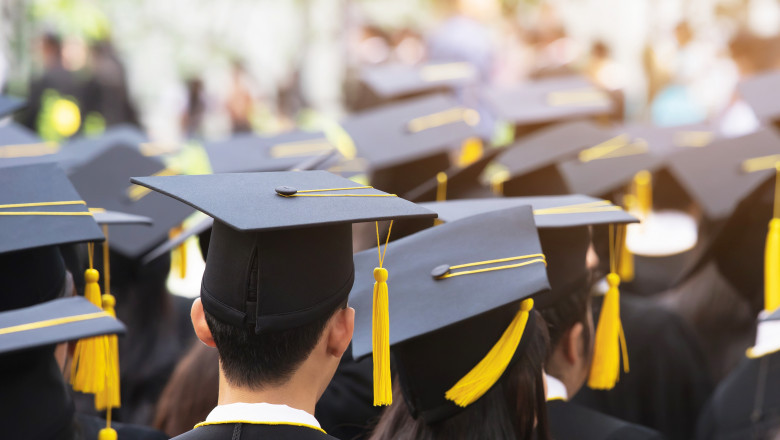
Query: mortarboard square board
[
  {"x": 757, "y": 91},
  {"x": 731, "y": 170},
  {"x": 53, "y": 322},
  {"x": 407, "y": 142},
  {"x": 280, "y": 224},
  {"x": 79, "y": 150},
  {"x": 104, "y": 182},
  {"x": 548, "y": 100},
  {"x": 441, "y": 327},
  {"x": 460, "y": 182},
  {"x": 10, "y": 104},
  {"x": 31, "y": 191},
  {"x": 249, "y": 152},
  {"x": 390, "y": 81}
]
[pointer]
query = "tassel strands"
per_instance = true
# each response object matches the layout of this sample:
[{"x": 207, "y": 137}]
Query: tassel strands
[
  {"x": 487, "y": 372},
  {"x": 609, "y": 340},
  {"x": 383, "y": 388},
  {"x": 772, "y": 253}
]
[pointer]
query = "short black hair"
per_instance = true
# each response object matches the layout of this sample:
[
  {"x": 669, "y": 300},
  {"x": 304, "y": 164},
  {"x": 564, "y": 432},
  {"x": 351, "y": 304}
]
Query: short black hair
[
  {"x": 570, "y": 308},
  {"x": 267, "y": 359}
]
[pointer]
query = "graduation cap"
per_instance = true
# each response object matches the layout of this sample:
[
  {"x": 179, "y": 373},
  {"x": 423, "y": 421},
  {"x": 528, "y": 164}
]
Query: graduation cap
[
  {"x": 79, "y": 150},
  {"x": 249, "y": 152},
  {"x": 443, "y": 322},
  {"x": 731, "y": 170},
  {"x": 104, "y": 183},
  {"x": 389, "y": 81},
  {"x": 548, "y": 100},
  {"x": 756, "y": 91},
  {"x": 10, "y": 104},
  {"x": 40, "y": 209},
  {"x": 563, "y": 223},
  {"x": 456, "y": 183},
  {"x": 408, "y": 142},
  {"x": 279, "y": 224},
  {"x": 767, "y": 335}
]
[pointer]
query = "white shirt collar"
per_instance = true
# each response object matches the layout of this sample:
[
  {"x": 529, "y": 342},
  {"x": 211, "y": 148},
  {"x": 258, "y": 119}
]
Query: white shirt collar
[
  {"x": 556, "y": 390},
  {"x": 261, "y": 413}
]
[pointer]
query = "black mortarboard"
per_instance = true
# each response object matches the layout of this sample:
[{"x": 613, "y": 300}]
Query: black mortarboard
[
  {"x": 757, "y": 91},
  {"x": 532, "y": 162},
  {"x": 408, "y": 142},
  {"x": 442, "y": 324},
  {"x": 52, "y": 322},
  {"x": 731, "y": 170},
  {"x": 34, "y": 189},
  {"x": 104, "y": 183},
  {"x": 456, "y": 183},
  {"x": 13, "y": 134},
  {"x": 282, "y": 215},
  {"x": 80, "y": 150},
  {"x": 548, "y": 100},
  {"x": 249, "y": 152},
  {"x": 389, "y": 81},
  {"x": 10, "y": 104}
]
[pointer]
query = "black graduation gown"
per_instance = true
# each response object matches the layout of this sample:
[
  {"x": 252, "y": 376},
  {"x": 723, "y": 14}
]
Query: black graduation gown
[
  {"x": 668, "y": 382},
  {"x": 88, "y": 427},
  {"x": 247, "y": 431},
  {"x": 346, "y": 409},
  {"x": 569, "y": 421},
  {"x": 746, "y": 405}
]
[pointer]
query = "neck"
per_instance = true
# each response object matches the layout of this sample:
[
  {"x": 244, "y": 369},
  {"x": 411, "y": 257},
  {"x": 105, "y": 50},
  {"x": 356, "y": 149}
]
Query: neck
[{"x": 295, "y": 393}]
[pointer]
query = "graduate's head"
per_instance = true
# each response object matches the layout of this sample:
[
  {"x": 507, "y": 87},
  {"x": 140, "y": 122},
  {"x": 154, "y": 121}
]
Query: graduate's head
[
  {"x": 566, "y": 309},
  {"x": 279, "y": 269}
]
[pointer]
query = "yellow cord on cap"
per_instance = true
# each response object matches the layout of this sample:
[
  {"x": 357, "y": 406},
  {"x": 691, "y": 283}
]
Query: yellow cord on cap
[
  {"x": 383, "y": 387},
  {"x": 486, "y": 373},
  {"x": 610, "y": 339},
  {"x": 307, "y": 191},
  {"x": 772, "y": 253},
  {"x": 88, "y": 371}
]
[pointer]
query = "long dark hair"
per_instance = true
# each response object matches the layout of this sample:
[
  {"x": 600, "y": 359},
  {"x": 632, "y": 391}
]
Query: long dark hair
[{"x": 508, "y": 411}]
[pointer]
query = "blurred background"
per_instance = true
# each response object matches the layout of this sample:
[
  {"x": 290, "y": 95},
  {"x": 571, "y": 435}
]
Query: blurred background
[{"x": 201, "y": 68}]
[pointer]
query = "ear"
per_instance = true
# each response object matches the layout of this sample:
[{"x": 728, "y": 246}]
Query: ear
[
  {"x": 339, "y": 333},
  {"x": 573, "y": 344},
  {"x": 202, "y": 330}
]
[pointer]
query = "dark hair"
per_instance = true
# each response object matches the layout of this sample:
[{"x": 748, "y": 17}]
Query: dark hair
[
  {"x": 191, "y": 393},
  {"x": 568, "y": 309},
  {"x": 507, "y": 411},
  {"x": 257, "y": 360}
]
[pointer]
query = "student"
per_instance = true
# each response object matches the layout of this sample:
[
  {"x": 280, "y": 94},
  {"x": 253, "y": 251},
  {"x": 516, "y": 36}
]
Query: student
[
  {"x": 468, "y": 346},
  {"x": 274, "y": 293}
]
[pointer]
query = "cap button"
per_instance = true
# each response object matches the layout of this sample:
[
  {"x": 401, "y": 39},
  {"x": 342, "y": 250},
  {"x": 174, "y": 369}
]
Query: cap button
[
  {"x": 440, "y": 271},
  {"x": 286, "y": 190}
]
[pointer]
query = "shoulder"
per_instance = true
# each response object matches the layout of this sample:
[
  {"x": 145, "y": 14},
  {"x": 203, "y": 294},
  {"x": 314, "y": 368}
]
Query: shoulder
[
  {"x": 247, "y": 431},
  {"x": 569, "y": 421}
]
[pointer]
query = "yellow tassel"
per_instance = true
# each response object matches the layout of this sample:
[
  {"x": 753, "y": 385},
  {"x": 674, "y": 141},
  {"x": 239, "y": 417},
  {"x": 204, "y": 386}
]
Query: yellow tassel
[
  {"x": 88, "y": 370},
  {"x": 383, "y": 389},
  {"x": 107, "y": 434},
  {"x": 441, "y": 186},
  {"x": 772, "y": 254},
  {"x": 605, "y": 370},
  {"x": 486, "y": 373},
  {"x": 471, "y": 151},
  {"x": 643, "y": 182},
  {"x": 178, "y": 255},
  {"x": 109, "y": 397}
]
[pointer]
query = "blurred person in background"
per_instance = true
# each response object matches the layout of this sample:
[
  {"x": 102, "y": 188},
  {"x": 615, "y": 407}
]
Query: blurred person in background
[
  {"x": 53, "y": 95},
  {"x": 194, "y": 110},
  {"x": 240, "y": 102},
  {"x": 464, "y": 36},
  {"x": 191, "y": 393},
  {"x": 106, "y": 98}
]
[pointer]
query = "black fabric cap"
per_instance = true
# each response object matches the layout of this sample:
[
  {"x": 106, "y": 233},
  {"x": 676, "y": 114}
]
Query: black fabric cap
[
  {"x": 10, "y": 104},
  {"x": 279, "y": 262},
  {"x": 394, "y": 80},
  {"x": 249, "y": 152},
  {"x": 43, "y": 183},
  {"x": 441, "y": 328},
  {"x": 80, "y": 150},
  {"x": 548, "y": 100},
  {"x": 51, "y": 332},
  {"x": 104, "y": 182},
  {"x": 401, "y": 154},
  {"x": 718, "y": 181},
  {"x": 546, "y": 210},
  {"x": 757, "y": 91}
]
